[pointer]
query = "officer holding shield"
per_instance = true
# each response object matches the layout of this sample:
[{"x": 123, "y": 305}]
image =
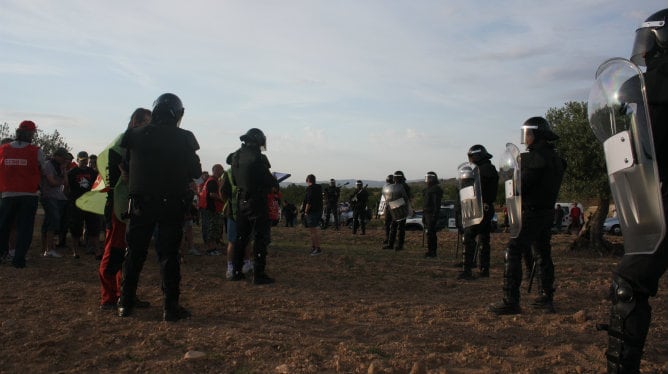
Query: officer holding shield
[
  {"x": 541, "y": 172},
  {"x": 398, "y": 205},
  {"x": 477, "y": 231},
  {"x": 632, "y": 128}
]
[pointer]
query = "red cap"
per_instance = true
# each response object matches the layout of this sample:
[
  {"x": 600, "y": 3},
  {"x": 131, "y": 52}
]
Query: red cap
[{"x": 28, "y": 126}]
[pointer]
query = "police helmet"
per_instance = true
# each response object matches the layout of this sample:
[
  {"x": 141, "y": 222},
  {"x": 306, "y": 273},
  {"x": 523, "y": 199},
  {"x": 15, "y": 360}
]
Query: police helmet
[
  {"x": 431, "y": 178},
  {"x": 168, "y": 108},
  {"x": 358, "y": 184},
  {"x": 478, "y": 153},
  {"x": 539, "y": 128},
  {"x": 332, "y": 182},
  {"x": 255, "y": 136},
  {"x": 399, "y": 176},
  {"x": 389, "y": 179},
  {"x": 651, "y": 38},
  {"x": 466, "y": 172}
]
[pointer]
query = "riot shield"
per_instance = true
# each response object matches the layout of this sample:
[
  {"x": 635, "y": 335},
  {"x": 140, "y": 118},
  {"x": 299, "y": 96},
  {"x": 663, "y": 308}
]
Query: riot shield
[
  {"x": 470, "y": 194},
  {"x": 619, "y": 117},
  {"x": 509, "y": 174}
]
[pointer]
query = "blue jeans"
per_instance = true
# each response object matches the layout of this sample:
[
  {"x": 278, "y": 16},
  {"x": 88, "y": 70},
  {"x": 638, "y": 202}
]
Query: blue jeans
[{"x": 19, "y": 210}]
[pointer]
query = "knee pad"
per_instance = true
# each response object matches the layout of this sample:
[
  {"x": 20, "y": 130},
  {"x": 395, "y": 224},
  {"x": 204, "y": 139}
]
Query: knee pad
[{"x": 630, "y": 316}]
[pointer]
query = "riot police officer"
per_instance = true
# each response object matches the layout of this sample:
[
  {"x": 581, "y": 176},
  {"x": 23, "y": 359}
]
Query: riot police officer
[
  {"x": 541, "y": 171},
  {"x": 477, "y": 236},
  {"x": 250, "y": 170},
  {"x": 161, "y": 162},
  {"x": 398, "y": 204},
  {"x": 385, "y": 212},
  {"x": 358, "y": 203},
  {"x": 431, "y": 209},
  {"x": 332, "y": 193},
  {"x": 645, "y": 261}
]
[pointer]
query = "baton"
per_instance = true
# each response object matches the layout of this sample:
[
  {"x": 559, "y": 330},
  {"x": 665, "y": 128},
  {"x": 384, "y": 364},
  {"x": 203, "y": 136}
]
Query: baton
[{"x": 533, "y": 273}]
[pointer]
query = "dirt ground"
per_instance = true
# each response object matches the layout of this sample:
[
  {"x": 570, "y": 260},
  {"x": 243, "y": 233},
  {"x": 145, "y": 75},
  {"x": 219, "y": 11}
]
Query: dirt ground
[{"x": 354, "y": 309}]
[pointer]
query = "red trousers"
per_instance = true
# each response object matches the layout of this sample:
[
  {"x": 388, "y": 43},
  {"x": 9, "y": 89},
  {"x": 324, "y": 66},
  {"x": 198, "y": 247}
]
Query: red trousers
[{"x": 112, "y": 262}]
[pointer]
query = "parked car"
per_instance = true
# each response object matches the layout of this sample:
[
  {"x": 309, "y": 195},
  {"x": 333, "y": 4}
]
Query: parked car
[
  {"x": 611, "y": 226},
  {"x": 446, "y": 218}
]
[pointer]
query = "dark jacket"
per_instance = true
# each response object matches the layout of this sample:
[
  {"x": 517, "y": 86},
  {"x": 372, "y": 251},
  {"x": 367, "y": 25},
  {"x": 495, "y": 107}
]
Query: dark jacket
[
  {"x": 542, "y": 172},
  {"x": 489, "y": 181},
  {"x": 432, "y": 204},
  {"x": 313, "y": 197},
  {"x": 250, "y": 170},
  {"x": 162, "y": 160}
]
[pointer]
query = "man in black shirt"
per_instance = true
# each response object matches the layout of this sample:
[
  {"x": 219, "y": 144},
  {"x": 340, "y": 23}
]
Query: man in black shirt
[
  {"x": 332, "y": 193},
  {"x": 81, "y": 179},
  {"x": 313, "y": 211}
]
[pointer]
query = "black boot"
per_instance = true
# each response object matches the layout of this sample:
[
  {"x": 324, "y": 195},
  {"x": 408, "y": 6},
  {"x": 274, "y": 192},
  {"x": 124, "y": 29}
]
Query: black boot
[
  {"x": 259, "y": 274},
  {"x": 505, "y": 308},
  {"x": 544, "y": 302}
]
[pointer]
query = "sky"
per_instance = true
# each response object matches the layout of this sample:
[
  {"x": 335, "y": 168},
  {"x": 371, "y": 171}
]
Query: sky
[{"x": 343, "y": 89}]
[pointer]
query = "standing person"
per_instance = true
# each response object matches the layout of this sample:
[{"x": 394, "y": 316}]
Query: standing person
[
  {"x": 289, "y": 213},
  {"x": 229, "y": 193},
  {"x": 576, "y": 218},
  {"x": 332, "y": 194},
  {"x": 212, "y": 218},
  {"x": 274, "y": 205},
  {"x": 80, "y": 180},
  {"x": 541, "y": 171},
  {"x": 313, "y": 211},
  {"x": 558, "y": 217},
  {"x": 20, "y": 173},
  {"x": 92, "y": 162},
  {"x": 161, "y": 160},
  {"x": 431, "y": 209},
  {"x": 477, "y": 236},
  {"x": 387, "y": 217},
  {"x": 398, "y": 201},
  {"x": 53, "y": 198},
  {"x": 358, "y": 203},
  {"x": 646, "y": 247},
  {"x": 254, "y": 181},
  {"x": 111, "y": 263}
]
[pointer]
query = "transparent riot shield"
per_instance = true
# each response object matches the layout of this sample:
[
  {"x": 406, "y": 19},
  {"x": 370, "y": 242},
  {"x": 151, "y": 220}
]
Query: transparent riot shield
[
  {"x": 470, "y": 194},
  {"x": 619, "y": 117},
  {"x": 509, "y": 174}
]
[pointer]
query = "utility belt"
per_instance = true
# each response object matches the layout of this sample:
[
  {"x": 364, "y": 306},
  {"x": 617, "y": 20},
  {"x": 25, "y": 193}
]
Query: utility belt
[{"x": 137, "y": 202}]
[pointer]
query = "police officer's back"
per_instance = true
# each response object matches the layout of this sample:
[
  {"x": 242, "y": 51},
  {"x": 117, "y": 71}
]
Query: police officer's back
[{"x": 161, "y": 162}]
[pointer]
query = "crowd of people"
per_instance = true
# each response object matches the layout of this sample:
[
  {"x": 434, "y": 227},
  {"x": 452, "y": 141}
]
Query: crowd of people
[{"x": 151, "y": 194}]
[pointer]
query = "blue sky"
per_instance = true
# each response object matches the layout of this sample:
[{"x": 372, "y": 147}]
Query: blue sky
[{"x": 342, "y": 89}]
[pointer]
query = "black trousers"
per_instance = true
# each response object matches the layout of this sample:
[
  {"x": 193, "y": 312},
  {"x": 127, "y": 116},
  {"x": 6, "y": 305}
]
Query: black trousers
[
  {"x": 148, "y": 212},
  {"x": 480, "y": 231},
  {"x": 359, "y": 220},
  {"x": 535, "y": 234},
  {"x": 332, "y": 209},
  {"x": 260, "y": 227}
]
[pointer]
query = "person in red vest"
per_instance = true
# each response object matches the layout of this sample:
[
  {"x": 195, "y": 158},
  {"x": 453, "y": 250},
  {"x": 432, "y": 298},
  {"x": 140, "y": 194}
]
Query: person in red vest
[
  {"x": 576, "y": 218},
  {"x": 20, "y": 174},
  {"x": 212, "y": 217}
]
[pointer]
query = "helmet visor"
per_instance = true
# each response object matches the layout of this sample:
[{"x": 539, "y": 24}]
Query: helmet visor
[
  {"x": 644, "y": 43},
  {"x": 527, "y": 134}
]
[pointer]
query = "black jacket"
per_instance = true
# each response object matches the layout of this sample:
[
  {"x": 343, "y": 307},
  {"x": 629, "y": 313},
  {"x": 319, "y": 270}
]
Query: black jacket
[
  {"x": 489, "y": 181},
  {"x": 162, "y": 160},
  {"x": 432, "y": 204},
  {"x": 542, "y": 173}
]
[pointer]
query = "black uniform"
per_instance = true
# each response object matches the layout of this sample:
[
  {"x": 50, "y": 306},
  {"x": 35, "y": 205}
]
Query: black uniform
[
  {"x": 250, "y": 170},
  {"x": 332, "y": 194},
  {"x": 489, "y": 184},
  {"x": 359, "y": 202},
  {"x": 162, "y": 162},
  {"x": 637, "y": 276},
  {"x": 431, "y": 209}
]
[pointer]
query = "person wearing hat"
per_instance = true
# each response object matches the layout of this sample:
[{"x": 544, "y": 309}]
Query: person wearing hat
[
  {"x": 54, "y": 201},
  {"x": 20, "y": 173},
  {"x": 358, "y": 203},
  {"x": 80, "y": 180},
  {"x": 332, "y": 193},
  {"x": 431, "y": 209},
  {"x": 477, "y": 236},
  {"x": 542, "y": 171},
  {"x": 161, "y": 161},
  {"x": 254, "y": 181}
]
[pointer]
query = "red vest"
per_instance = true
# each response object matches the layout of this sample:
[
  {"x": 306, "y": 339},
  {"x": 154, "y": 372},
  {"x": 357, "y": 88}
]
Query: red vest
[
  {"x": 204, "y": 193},
  {"x": 19, "y": 169}
]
